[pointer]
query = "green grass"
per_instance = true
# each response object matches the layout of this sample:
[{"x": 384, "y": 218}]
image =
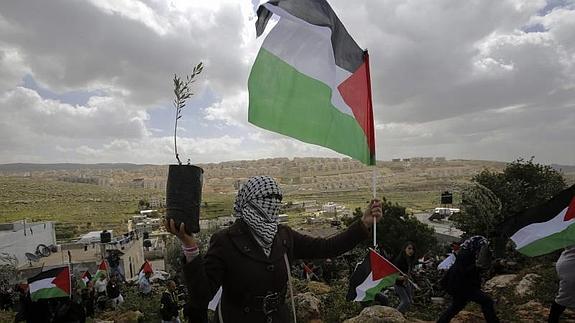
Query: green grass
[{"x": 78, "y": 208}]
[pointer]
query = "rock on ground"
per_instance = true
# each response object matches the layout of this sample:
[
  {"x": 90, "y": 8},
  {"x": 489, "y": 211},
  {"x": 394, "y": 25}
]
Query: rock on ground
[
  {"x": 468, "y": 317},
  {"x": 308, "y": 307},
  {"x": 525, "y": 286},
  {"x": 500, "y": 281},
  {"x": 318, "y": 288},
  {"x": 377, "y": 314}
]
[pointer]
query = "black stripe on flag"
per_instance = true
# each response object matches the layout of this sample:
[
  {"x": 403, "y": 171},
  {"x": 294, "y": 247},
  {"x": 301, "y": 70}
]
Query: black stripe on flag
[
  {"x": 348, "y": 55},
  {"x": 538, "y": 214},
  {"x": 358, "y": 276},
  {"x": 51, "y": 273}
]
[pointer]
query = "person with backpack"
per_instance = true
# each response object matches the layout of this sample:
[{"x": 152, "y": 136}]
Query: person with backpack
[
  {"x": 405, "y": 261},
  {"x": 251, "y": 259},
  {"x": 463, "y": 280}
]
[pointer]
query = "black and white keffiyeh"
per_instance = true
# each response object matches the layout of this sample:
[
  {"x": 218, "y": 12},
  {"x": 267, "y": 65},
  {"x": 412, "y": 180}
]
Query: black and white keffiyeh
[
  {"x": 474, "y": 244},
  {"x": 258, "y": 203}
]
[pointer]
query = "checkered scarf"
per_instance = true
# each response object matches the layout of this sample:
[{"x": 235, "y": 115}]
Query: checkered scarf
[
  {"x": 258, "y": 203},
  {"x": 474, "y": 244}
]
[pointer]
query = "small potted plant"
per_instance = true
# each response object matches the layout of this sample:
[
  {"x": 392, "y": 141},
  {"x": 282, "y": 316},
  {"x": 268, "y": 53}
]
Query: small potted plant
[{"x": 184, "y": 186}]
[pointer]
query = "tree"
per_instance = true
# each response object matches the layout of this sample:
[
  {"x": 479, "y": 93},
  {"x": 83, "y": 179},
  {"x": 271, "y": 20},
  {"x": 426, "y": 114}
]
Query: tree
[
  {"x": 496, "y": 196},
  {"x": 480, "y": 210},
  {"x": 397, "y": 227},
  {"x": 523, "y": 184}
]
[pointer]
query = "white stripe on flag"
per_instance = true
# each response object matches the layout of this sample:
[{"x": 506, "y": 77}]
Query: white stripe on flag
[
  {"x": 362, "y": 288},
  {"x": 41, "y": 284},
  {"x": 216, "y": 300},
  {"x": 536, "y": 231},
  {"x": 308, "y": 49}
]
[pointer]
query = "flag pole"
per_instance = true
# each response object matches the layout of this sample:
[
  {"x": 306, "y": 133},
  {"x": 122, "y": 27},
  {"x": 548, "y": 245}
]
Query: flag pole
[
  {"x": 373, "y": 180},
  {"x": 372, "y": 135}
]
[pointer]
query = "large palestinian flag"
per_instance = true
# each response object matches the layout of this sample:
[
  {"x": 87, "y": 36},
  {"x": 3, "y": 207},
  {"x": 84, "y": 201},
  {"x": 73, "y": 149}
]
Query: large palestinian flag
[
  {"x": 52, "y": 283},
  {"x": 544, "y": 228},
  {"x": 372, "y": 275},
  {"x": 310, "y": 80}
]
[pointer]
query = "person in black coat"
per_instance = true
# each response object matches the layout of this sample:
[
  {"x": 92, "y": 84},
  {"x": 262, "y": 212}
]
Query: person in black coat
[
  {"x": 169, "y": 304},
  {"x": 405, "y": 262},
  {"x": 250, "y": 259},
  {"x": 463, "y": 280}
]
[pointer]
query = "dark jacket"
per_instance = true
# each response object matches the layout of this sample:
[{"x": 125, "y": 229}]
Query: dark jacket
[
  {"x": 169, "y": 305},
  {"x": 235, "y": 261},
  {"x": 113, "y": 289},
  {"x": 405, "y": 264},
  {"x": 464, "y": 275}
]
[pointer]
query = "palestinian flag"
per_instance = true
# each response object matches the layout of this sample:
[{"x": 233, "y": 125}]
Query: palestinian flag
[
  {"x": 544, "y": 228},
  {"x": 145, "y": 268},
  {"x": 85, "y": 279},
  {"x": 310, "y": 80},
  {"x": 370, "y": 277},
  {"x": 102, "y": 270},
  {"x": 52, "y": 283}
]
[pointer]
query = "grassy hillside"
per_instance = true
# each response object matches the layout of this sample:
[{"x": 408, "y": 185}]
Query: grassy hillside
[{"x": 79, "y": 207}]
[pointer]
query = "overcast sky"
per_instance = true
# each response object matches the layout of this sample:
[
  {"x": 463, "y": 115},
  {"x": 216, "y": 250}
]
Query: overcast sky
[{"x": 90, "y": 81}]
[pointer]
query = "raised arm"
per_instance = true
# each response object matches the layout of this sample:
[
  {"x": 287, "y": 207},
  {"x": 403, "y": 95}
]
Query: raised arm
[{"x": 306, "y": 247}]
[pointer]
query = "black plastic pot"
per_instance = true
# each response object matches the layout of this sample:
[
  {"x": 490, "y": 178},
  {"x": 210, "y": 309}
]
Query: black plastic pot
[{"x": 184, "y": 196}]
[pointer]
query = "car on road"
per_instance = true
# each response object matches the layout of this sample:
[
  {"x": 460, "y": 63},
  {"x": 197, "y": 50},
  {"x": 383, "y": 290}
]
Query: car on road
[{"x": 441, "y": 213}]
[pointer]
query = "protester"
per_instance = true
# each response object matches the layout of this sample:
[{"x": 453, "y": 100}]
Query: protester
[
  {"x": 144, "y": 284},
  {"x": 405, "y": 262},
  {"x": 169, "y": 304},
  {"x": 88, "y": 299},
  {"x": 113, "y": 290},
  {"x": 463, "y": 280},
  {"x": 24, "y": 303},
  {"x": 250, "y": 258},
  {"x": 329, "y": 271},
  {"x": 100, "y": 285},
  {"x": 566, "y": 296}
]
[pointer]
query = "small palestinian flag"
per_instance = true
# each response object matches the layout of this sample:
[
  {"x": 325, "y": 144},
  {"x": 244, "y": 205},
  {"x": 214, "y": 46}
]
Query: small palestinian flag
[
  {"x": 85, "y": 279},
  {"x": 544, "y": 228},
  {"x": 102, "y": 270},
  {"x": 52, "y": 283},
  {"x": 370, "y": 277},
  {"x": 311, "y": 81},
  {"x": 145, "y": 268}
]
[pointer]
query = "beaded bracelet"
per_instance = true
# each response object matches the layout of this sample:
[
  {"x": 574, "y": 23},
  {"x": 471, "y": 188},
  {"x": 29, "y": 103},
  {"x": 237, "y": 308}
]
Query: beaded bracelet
[{"x": 190, "y": 248}]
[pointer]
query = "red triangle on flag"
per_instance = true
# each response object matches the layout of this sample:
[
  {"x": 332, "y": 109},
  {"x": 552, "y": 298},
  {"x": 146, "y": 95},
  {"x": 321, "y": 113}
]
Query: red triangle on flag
[
  {"x": 147, "y": 268},
  {"x": 570, "y": 211},
  {"x": 380, "y": 267},
  {"x": 103, "y": 266},
  {"x": 62, "y": 280}
]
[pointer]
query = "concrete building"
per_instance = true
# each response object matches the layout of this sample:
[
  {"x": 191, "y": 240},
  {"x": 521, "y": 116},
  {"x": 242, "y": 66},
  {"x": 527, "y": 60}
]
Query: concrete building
[
  {"x": 19, "y": 238},
  {"x": 81, "y": 257}
]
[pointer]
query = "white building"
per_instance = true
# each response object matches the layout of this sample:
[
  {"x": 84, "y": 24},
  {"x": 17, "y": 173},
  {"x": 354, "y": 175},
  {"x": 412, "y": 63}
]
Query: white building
[{"x": 19, "y": 238}]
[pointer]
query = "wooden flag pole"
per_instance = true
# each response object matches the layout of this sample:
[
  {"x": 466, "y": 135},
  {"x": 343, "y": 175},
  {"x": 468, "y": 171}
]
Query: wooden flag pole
[{"x": 373, "y": 180}]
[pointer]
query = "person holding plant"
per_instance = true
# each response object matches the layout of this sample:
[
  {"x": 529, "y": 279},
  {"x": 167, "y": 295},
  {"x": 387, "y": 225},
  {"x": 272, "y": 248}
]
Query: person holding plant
[
  {"x": 405, "y": 262},
  {"x": 250, "y": 259}
]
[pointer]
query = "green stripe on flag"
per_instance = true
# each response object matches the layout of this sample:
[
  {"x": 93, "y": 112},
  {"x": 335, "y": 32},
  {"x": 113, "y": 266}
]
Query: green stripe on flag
[
  {"x": 383, "y": 283},
  {"x": 53, "y": 292},
  {"x": 550, "y": 243},
  {"x": 283, "y": 100}
]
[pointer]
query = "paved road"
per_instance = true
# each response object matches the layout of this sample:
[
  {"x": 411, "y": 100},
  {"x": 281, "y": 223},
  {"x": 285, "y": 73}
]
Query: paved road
[{"x": 443, "y": 226}]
